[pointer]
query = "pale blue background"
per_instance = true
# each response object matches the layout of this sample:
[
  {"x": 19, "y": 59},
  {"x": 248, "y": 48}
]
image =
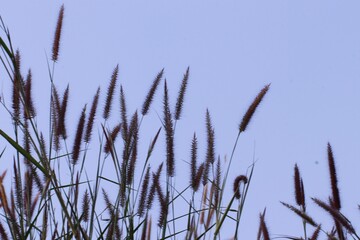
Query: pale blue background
[{"x": 308, "y": 50}]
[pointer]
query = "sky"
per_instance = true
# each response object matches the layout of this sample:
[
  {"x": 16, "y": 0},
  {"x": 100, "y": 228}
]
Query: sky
[{"x": 308, "y": 50}]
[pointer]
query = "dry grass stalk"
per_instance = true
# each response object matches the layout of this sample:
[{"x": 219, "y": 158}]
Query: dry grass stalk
[
  {"x": 150, "y": 95},
  {"x": 148, "y": 234},
  {"x": 209, "y": 217},
  {"x": 169, "y": 132},
  {"x": 333, "y": 178},
  {"x": 203, "y": 204},
  {"x": 78, "y": 137},
  {"x": 91, "y": 118},
  {"x": 181, "y": 95},
  {"x": 56, "y": 43},
  {"x": 252, "y": 108},
  {"x": 110, "y": 92}
]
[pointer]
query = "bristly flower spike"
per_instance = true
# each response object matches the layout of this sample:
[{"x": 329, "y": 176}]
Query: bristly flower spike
[
  {"x": 169, "y": 132},
  {"x": 151, "y": 93},
  {"x": 252, "y": 108},
  {"x": 56, "y": 43},
  {"x": 110, "y": 92},
  {"x": 333, "y": 178},
  {"x": 180, "y": 99},
  {"x": 78, "y": 137},
  {"x": 90, "y": 122}
]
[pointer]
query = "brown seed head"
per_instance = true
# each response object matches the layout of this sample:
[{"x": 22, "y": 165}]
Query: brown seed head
[
  {"x": 252, "y": 108},
  {"x": 239, "y": 179},
  {"x": 181, "y": 95},
  {"x": 110, "y": 92},
  {"x": 333, "y": 178},
  {"x": 151, "y": 93},
  {"x": 169, "y": 132},
  {"x": 78, "y": 137},
  {"x": 90, "y": 122},
  {"x": 56, "y": 43}
]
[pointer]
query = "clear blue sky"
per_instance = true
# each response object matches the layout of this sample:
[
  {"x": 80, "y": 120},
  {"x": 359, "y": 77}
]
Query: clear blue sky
[{"x": 308, "y": 50}]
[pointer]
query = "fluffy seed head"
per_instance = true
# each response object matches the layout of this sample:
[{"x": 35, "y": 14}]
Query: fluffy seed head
[
  {"x": 110, "y": 92},
  {"x": 236, "y": 188},
  {"x": 56, "y": 43},
  {"x": 78, "y": 137},
  {"x": 151, "y": 93},
  {"x": 333, "y": 178},
  {"x": 252, "y": 108},
  {"x": 181, "y": 95}
]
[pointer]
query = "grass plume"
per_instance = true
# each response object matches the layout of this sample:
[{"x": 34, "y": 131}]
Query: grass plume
[
  {"x": 181, "y": 95},
  {"x": 57, "y": 36},
  {"x": 169, "y": 132},
  {"x": 91, "y": 118},
  {"x": 252, "y": 108},
  {"x": 110, "y": 92},
  {"x": 333, "y": 178},
  {"x": 78, "y": 137},
  {"x": 150, "y": 95}
]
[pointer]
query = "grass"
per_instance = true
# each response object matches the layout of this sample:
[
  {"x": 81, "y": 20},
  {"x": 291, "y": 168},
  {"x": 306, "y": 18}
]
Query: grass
[
  {"x": 42, "y": 204},
  {"x": 140, "y": 200}
]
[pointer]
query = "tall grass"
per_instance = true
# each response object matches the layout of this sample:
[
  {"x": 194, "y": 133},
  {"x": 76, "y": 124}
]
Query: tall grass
[{"x": 43, "y": 204}]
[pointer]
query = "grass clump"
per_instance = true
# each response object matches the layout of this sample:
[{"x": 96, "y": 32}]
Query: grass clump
[{"x": 41, "y": 203}]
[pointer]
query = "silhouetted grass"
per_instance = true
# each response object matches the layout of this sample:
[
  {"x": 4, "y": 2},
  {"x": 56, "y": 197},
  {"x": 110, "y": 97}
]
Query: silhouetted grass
[{"x": 43, "y": 204}]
